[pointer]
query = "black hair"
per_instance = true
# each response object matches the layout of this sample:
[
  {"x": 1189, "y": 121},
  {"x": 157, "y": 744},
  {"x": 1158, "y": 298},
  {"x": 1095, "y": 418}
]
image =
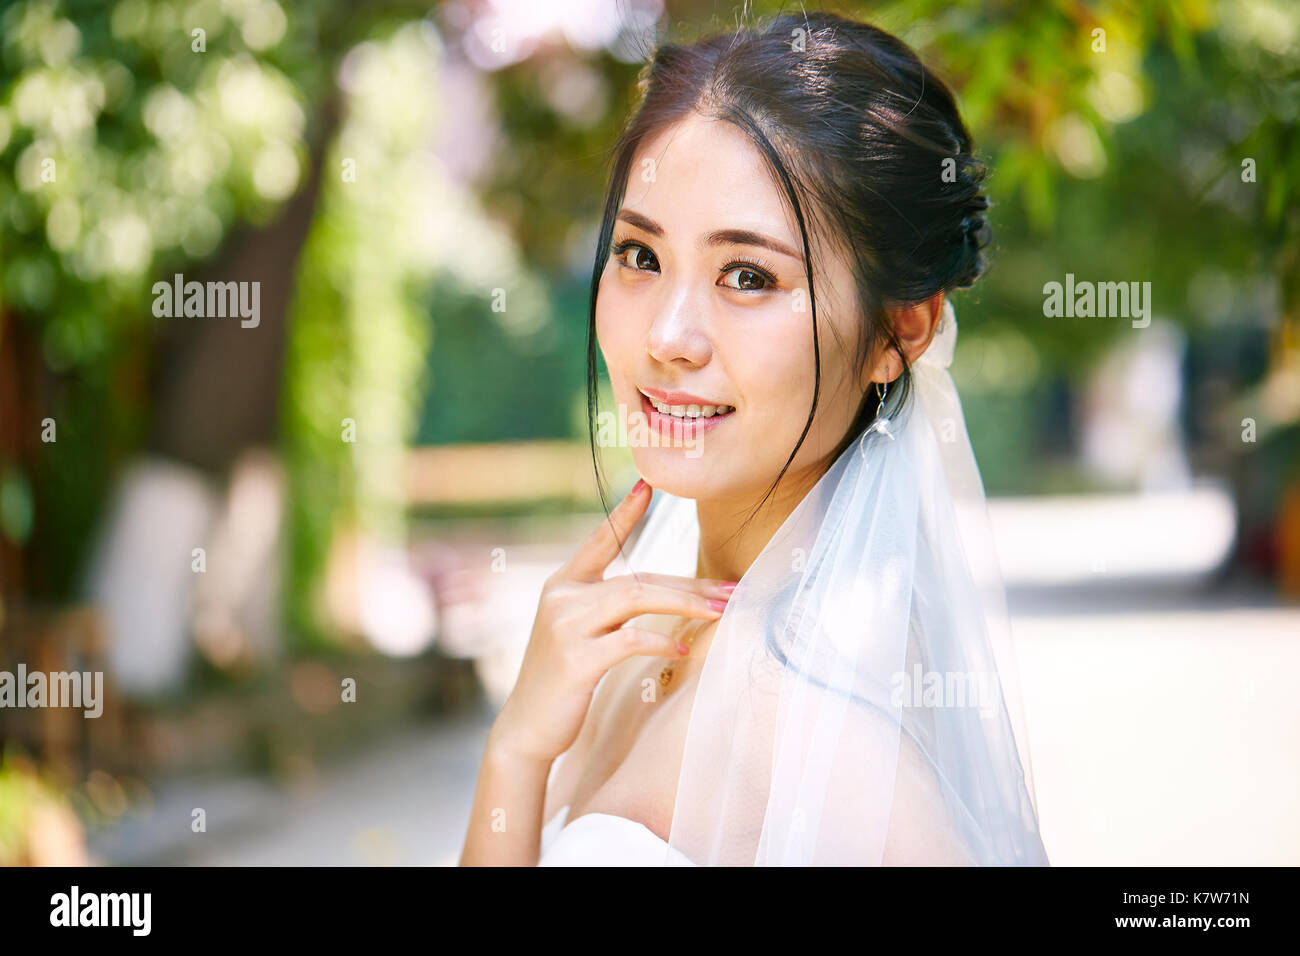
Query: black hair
[{"x": 868, "y": 148}]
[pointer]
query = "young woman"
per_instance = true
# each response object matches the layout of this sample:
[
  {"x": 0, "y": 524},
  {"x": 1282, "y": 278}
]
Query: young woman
[{"x": 810, "y": 661}]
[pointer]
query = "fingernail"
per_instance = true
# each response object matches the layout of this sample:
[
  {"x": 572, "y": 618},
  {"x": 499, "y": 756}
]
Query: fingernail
[
  {"x": 728, "y": 586},
  {"x": 683, "y": 648},
  {"x": 717, "y": 605},
  {"x": 636, "y": 489}
]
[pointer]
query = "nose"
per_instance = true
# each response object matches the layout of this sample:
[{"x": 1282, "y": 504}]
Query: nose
[{"x": 678, "y": 333}]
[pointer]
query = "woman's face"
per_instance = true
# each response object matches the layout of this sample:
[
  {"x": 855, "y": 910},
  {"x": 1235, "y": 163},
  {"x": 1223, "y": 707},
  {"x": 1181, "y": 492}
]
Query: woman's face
[{"x": 704, "y": 301}]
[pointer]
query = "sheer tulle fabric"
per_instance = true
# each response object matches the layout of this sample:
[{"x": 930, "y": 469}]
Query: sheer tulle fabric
[{"x": 859, "y": 702}]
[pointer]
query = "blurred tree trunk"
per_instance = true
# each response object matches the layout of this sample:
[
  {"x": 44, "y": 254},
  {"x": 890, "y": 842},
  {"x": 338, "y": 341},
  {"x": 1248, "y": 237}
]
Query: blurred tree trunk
[
  {"x": 217, "y": 385},
  {"x": 20, "y": 398}
]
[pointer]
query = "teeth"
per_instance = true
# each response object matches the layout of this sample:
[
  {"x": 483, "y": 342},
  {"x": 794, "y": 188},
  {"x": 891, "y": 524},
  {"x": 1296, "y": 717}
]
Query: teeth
[{"x": 690, "y": 411}]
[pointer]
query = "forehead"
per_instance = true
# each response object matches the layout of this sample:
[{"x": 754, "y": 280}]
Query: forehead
[{"x": 702, "y": 174}]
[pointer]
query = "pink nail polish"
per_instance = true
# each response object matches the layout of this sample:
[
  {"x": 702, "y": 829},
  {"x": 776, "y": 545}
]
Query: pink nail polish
[
  {"x": 636, "y": 489},
  {"x": 683, "y": 648},
  {"x": 728, "y": 586},
  {"x": 717, "y": 605}
]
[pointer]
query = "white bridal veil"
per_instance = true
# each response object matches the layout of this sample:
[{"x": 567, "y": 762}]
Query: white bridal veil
[{"x": 859, "y": 702}]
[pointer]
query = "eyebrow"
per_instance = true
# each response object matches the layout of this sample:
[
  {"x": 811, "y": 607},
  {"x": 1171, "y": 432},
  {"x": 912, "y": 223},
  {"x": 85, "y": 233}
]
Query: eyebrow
[{"x": 719, "y": 237}]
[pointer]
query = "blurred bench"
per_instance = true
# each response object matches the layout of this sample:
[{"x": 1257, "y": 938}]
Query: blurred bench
[
  {"x": 505, "y": 471},
  {"x": 63, "y": 740}
]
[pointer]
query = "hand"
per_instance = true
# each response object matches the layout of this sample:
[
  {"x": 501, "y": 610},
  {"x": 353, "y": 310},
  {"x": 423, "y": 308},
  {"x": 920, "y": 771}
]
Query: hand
[{"x": 578, "y": 635}]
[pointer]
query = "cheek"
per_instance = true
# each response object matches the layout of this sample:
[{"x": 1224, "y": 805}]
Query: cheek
[
  {"x": 780, "y": 389},
  {"x": 612, "y": 320},
  {"x": 774, "y": 379},
  {"x": 620, "y": 337}
]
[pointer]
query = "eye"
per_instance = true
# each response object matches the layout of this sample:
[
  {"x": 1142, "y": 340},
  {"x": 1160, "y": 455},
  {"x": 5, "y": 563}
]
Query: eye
[
  {"x": 750, "y": 277},
  {"x": 637, "y": 261}
]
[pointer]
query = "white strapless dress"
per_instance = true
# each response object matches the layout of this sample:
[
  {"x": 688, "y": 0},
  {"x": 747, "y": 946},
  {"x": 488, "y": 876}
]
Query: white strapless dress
[{"x": 602, "y": 839}]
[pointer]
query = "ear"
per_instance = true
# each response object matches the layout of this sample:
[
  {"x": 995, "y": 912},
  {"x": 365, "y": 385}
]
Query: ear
[{"x": 915, "y": 326}]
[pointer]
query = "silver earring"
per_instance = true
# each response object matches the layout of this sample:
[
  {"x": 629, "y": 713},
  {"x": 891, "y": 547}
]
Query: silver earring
[{"x": 882, "y": 423}]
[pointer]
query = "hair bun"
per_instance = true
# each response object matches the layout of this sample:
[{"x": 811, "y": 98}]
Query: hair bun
[{"x": 974, "y": 228}]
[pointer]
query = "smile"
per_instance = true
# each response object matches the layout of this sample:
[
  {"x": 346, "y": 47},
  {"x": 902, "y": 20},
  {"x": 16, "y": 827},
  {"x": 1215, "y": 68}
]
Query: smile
[
  {"x": 683, "y": 421},
  {"x": 690, "y": 411},
  {"x": 676, "y": 405}
]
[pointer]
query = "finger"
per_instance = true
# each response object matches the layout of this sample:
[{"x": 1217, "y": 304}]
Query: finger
[
  {"x": 710, "y": 587},
  {"x": 602, "y": 545},
  {"x": 628, "y": 642},
  {"x": 629, "y": 598}
]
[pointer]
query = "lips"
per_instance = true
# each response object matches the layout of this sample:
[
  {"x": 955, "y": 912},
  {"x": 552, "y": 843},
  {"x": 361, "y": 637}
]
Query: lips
[
  {"x": 684, "y": 426},
  {"x": 678, "y": 398},
  {"x": 684, "y": 405}
]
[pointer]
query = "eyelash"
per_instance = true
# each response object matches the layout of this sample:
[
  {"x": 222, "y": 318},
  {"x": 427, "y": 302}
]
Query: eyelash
[{"x": 756, "y": 266}]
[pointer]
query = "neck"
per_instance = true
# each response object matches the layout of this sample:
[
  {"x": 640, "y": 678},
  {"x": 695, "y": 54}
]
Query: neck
[{"x": 731, "y": 540}]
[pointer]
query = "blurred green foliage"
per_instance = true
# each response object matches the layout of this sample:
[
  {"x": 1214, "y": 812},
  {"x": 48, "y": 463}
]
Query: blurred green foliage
[{"x": 126, "y": 155}]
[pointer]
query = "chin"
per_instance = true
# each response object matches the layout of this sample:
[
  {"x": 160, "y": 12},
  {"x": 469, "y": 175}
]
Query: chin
[{"x": 670, "y": 470}]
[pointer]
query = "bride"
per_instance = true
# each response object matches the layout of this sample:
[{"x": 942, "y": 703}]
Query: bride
[{"x": 809, "y": 660}]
